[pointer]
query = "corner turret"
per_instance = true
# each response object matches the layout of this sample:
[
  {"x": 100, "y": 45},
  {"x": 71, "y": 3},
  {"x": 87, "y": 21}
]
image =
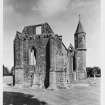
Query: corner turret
[{"x": 80, "y": 51}]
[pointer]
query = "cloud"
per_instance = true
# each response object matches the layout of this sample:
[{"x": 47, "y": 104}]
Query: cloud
[
  {"x": 52, "y": 7},
  {"x": 83, "y": 3},
  {"x": 45, "y": 8},
  {"x": 23, "y": 7}
]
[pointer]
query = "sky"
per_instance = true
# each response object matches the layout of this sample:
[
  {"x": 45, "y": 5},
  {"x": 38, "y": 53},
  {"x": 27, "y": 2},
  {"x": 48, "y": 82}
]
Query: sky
[{"x": 62, "y": 15}]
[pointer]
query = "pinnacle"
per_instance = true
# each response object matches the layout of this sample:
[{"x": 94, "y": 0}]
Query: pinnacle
[{"x": 79, "y": 27}]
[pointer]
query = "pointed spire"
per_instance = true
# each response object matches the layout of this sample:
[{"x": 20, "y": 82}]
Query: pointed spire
[{"x": 79, "y": 27}]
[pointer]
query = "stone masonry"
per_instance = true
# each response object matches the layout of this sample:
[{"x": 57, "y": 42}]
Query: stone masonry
[{"x": 42, "y": 60}]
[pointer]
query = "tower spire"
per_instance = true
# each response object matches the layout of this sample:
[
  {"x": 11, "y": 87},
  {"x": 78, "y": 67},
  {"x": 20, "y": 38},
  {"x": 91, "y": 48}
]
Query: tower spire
[
  {"x": 79, "y": 27},
  {"x": 80, "y": 51}
]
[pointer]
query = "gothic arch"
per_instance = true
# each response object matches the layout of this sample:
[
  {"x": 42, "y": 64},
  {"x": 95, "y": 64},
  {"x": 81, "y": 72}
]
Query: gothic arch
[
  {"x": 33, "y": 48},
  {"x": 32, "y": 55}
]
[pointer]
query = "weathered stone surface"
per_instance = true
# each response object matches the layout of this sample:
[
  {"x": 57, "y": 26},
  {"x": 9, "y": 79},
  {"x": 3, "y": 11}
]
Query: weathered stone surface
[
  {"x": 42, "y": 60},
  {"x": 7, "y": 80},
  {"x": 80, "y": 52}
]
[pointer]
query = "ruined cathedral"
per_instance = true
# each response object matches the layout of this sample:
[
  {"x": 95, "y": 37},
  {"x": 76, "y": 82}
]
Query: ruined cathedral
[{"x": 42, "y": 60}]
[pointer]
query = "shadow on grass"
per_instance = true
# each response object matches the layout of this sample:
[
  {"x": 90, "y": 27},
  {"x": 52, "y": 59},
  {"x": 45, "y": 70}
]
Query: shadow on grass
[{"x": 15, "y": 98}]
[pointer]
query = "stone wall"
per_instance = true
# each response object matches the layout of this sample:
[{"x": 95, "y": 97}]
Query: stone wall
[
  {"x": 19, "y": 76},
  {"x": 31, "y": 30},
  {"x": 59, "y": 61},
  {"x": 53, "y": 65},
  {"x": 81, "y": 64},
  {"x": 80, "y": 53},
  {"x": 7, "y": 80},
  {"x": 18, "y": 54}
]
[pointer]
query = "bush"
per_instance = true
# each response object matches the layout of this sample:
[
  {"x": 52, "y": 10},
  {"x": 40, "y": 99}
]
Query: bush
[{"x": 93, "y": 71}]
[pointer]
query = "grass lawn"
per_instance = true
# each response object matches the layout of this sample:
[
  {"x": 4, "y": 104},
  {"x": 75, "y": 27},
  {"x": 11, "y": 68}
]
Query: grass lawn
[{"x": 76, "y": 95}]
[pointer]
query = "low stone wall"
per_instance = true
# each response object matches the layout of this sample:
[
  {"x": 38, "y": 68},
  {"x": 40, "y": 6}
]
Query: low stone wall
[{"x": 8, "y": 80}]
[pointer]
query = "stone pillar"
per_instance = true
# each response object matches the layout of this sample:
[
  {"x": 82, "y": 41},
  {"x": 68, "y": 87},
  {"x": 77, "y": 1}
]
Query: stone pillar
[
  {"x": 70, "y": 64},
  {"x": 42, "y": 77},
  {"x": 35, "y": 81},
  {"x": 52, "y": 80},
  {"x": 19, "y": 77},
  {"x": 74, "y": 76},
  {"x": 52, "y": 66}
]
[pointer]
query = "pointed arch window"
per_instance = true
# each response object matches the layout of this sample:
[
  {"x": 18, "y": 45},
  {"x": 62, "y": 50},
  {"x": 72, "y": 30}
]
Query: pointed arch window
[{"x": 32, "y": 56}]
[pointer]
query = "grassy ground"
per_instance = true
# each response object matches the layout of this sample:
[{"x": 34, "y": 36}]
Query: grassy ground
[{"x": 76, "y": 95}]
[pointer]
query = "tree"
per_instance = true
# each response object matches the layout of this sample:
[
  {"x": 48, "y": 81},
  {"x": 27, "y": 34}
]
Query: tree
[
  {"x": 93, "y": 71},
  {"x": 5, "y": 71},
  {"x": 12, "y": 70},
  {"x": 13, "y": 74},
  {"x": 89, "y": 72},
  {"x": 97, "y": 71}
]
